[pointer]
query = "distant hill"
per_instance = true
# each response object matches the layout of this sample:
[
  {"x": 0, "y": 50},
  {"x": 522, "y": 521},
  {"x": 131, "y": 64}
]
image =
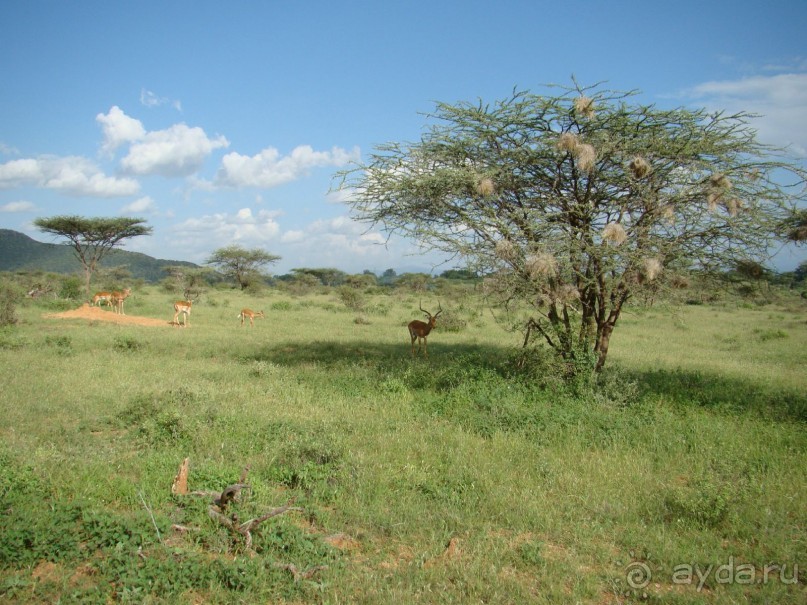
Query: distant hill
[{"x": 18, "y": 252}]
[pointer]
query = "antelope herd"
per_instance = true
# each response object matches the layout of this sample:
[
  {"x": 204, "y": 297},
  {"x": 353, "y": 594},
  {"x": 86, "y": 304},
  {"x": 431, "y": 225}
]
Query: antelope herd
[{"x": 418, "y": 330}]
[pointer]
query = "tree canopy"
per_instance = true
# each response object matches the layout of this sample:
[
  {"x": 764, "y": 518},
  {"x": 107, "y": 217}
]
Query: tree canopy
[
  {"x": 92, "y": 238},
  {"x": 241, "y": 264},
  {"x": 569, "y": 203}
]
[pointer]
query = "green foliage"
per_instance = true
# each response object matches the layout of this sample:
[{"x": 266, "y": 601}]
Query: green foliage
[
  {"x": 127, "y": 344},
  {"x": 10, "y": 340},
  {"x": 62, "y": 344},
  {"x": 706, "y": 504},
  {"x": 281, "y": 305},
  {"x": 240, "y": 264},
  {"x": 351, "y": 298},
  {"x": 451, "y": 322},
  {"x": 71, "y": 288},
  {"x": 10, "y": 296}
]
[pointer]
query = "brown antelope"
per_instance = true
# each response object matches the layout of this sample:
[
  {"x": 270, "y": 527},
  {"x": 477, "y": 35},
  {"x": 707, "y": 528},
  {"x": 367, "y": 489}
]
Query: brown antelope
[
  {"x": 419, "y": 330},
  {"x": 249, "y": 313},
  {"x": 101, "y": 297},
  {"x": 116, "y": 300},
  {"x": 182, "y": 307}
]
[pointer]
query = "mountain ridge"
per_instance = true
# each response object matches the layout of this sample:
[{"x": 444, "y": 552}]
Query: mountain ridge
[{"x": 19, "y": 252}]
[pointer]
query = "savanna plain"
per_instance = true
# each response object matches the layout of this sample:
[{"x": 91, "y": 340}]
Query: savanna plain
[{"x": 681, "y": 477}]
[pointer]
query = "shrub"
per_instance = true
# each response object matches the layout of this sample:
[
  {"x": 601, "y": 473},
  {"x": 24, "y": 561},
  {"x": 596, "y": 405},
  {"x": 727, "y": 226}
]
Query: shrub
[
  {"x": 10, "y": 295},
  {"x": 351, "y": 298},
  {"x": 71, "y": 288}
]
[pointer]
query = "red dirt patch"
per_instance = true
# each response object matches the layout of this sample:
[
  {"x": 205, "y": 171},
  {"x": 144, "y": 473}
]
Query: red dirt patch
[{"x": 86, "y": 311}]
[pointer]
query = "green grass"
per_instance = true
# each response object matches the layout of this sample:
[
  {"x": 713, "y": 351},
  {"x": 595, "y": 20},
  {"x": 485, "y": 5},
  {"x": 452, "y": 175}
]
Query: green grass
[{"x": 692, "y": 455}]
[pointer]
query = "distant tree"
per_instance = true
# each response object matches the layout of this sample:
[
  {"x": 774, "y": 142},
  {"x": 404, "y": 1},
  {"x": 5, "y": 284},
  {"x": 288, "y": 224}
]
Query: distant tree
[
  {"x": 301, "y": 283},
  {"x": 570, "y": 201},
  {"x": 326, "y": 276},
  {"x": 92, "y": 238},
  {"x": 361, "y": 280},
  {"x": 191, "y": 281},
  {"x": 241, "y": 264},
  {"x": 800, "y": 274},
  {"x": 459, "y": 274},
  {"x": 388, "y": 277},
  {"x": 416, "y": 282}
]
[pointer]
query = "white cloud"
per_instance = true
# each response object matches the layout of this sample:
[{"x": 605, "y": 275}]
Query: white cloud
[
  {"x": 8, "y": 149},
  {"x": 119, "y": 129},
  {"x": 177, "y": 151},
  {"x": 780, "y": 101},
  {"x": 270, "y": 169},
  {"x": 144, "y": 205},
  {"x": 222, "y": 229},
  {"x": 20, "y": 206},
  {"x": 72, "y": 175},
  {"x": 340, "y": 196},
  {"x": 150, "y": 99},
  {"x": 292, "y": 236}
]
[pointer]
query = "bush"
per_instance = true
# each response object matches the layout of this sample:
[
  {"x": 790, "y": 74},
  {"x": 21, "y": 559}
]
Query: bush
[
  {"x": 351, "y": 298},
  {"x": 10, "y": 295},
  {"x": 71, "y": 288}
]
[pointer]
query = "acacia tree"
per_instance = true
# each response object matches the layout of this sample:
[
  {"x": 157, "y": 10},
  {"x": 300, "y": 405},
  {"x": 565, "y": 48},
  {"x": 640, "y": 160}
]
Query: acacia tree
[
  {"x": 569, "y": 203},
  {"x": 92, "y": 238},
  {"x": 241, "y": 264}
]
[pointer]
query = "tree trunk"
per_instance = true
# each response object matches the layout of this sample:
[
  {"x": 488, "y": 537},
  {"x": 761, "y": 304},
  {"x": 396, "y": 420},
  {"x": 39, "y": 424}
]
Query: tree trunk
[{"x": 602, "y": 345}]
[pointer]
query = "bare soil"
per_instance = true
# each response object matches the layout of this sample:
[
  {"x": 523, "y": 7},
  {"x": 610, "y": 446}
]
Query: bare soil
[{"x": 89, "y": 312}]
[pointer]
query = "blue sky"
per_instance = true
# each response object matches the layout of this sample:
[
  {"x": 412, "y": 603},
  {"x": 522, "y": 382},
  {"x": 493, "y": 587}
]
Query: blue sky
[{"x": 224, "y": 122}]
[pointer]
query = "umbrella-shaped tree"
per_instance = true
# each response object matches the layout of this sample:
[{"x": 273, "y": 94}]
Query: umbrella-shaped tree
[
  {"x": 569, "y": 203},
  {"x": 92, "y": 238}
]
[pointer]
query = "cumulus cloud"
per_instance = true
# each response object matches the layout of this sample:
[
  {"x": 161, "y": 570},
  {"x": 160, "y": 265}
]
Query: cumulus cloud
[
  {"x": 222, "y": 229},
  {"x": 144, "y": 205},
  {"x": 292, "y": 236},
  {"x": 119, "y": 129},
  {"x": 270, "y": 169},
  {"x": 20, "y": 206},
  {"x": 177, "y": 151},
  {"x": 72, "y": 175},
  {"x": 780, "y": 100}
]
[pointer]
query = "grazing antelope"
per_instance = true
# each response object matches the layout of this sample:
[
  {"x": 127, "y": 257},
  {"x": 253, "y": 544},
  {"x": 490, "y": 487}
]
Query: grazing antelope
[
  {"x": 182, "y": 307},
  {"x": 249, "y": 313},
  {"x": 116, "y": 300},
  {"x": 419, "y": 330}
]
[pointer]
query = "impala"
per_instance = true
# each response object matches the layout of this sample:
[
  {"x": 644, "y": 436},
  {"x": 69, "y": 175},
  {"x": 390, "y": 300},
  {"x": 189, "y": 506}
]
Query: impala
[
  {"x": 182, "y": 307},
  {"x": 419, "y": 330},
  {"x": 101, "y": 297},
  {"x": 116, "y": 300},
  {"x": 249, "y": 313}
]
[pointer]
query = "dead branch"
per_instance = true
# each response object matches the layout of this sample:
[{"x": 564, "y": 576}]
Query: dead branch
[
  {"x": 245, "y": 529},
  {"x": 220, "y": 501},
  {"x": 253, "y": 523},
  {"x": 230, "y": 493}
]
